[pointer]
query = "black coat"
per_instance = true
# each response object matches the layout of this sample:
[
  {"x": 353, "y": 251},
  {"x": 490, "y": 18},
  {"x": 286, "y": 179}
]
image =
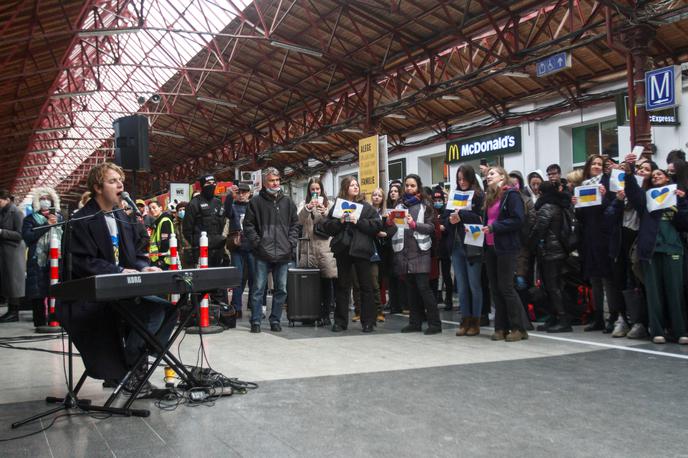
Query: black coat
[
  {"x": 93, "y": 325},
  {"x": 595, "y": 231},
  {"x": 271, "y": 225},
  {"x": 545, "y": 235},
  {"x": 472, "y": 216},
  {"x": 37, "y": 276},
  {"x": 507, "y": 227},
  {"x": 362, "y": 233}
]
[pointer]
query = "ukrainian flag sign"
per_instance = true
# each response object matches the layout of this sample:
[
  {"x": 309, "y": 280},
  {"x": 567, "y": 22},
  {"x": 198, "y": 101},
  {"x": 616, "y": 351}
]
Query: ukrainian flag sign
[
  {"x": 460, "y": 200},
  {"x": 588, "y": 196},
  {"x": 661, "y": 198}
]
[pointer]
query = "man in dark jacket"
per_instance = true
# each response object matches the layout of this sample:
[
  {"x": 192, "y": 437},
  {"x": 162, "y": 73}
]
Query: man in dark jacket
[
  {"x": 271, "y": 226},
  {"x": 12, "y": 256}
]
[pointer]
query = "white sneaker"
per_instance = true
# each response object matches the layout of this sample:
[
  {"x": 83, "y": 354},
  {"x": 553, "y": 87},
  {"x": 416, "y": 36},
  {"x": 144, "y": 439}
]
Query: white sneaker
[
  {"x": 658, "y": 340},
  {"x": 683, "y": 340},
  {"x": 638, "y": 331},
  {"x": 620, "y": 328}
]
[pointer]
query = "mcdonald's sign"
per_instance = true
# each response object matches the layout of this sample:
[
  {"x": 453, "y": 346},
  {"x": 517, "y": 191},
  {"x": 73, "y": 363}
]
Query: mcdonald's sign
[{"x": 495, "y": 144}]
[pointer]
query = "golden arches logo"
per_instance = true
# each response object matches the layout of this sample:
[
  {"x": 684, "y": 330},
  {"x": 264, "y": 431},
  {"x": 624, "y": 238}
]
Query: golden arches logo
[{"x": 453, "y": 152}]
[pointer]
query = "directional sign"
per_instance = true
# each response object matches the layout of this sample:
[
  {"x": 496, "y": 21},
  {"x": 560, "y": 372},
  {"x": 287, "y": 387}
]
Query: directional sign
[
  {"x": 554, "y": 63},
  {"x": 663, "y": 88}
]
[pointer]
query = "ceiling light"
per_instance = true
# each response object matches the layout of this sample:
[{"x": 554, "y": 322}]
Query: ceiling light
[
  {"x": 296, "y": 48},
  {"x": 516, "y": 74},
  {"x": 107, "y": 32},
  {"x": 451, "y": 97},
  {"x": 395, "y": 116},
  {"x": 353, "y": 130},
  {"x": 66, "y": 95},
  {"x": 318, "y": 142},
  {"x": 288, "y": 151},
  {"x": 50, "y": 130},
  {"x": 225, "y": 103},
  {"x": 168, "y": 134},
  {"x": 41, "y": 151}
]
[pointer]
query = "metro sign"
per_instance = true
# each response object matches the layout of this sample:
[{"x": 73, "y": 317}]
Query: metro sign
[{"x": 663, "y": 88}]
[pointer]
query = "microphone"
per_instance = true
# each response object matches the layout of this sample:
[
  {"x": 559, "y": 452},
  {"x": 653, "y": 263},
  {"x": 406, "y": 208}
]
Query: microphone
[{"x": 125, "y": 196}]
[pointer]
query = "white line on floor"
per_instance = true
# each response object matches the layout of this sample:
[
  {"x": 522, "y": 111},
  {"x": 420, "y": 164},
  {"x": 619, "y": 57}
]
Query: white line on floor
[{"x": 594, "y": 344}]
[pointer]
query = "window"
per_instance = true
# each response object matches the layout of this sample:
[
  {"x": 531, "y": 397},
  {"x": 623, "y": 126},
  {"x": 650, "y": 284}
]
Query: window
[
  {"x": 437, "y": 168},
  {"x": 396, "y": 170},
  {"x": 598, "y": 138}
]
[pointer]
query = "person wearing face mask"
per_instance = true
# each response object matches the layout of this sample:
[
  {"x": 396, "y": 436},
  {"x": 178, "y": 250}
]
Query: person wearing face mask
[
  {"x": 241, "y": 252},
  {"x": 445, "y": 242},
  {"x": 37, "y": 238},
  {"x": 12, "y": 260},
  {"x": 205, "y": 213}
]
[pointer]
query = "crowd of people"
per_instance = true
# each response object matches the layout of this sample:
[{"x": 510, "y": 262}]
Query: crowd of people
[{"x": 615, "y": 267}]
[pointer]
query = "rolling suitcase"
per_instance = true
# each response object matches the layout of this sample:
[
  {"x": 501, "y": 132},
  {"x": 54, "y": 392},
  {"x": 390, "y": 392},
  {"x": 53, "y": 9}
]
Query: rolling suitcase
[{"x": 303, "y": 291}]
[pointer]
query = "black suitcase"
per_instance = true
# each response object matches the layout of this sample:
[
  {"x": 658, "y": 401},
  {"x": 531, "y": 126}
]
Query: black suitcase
[{"x": 303, "y": 292}]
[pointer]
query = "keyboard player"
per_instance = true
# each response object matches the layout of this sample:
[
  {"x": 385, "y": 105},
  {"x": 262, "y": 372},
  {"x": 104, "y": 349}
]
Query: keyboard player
[{"x": 107, "y": 244}]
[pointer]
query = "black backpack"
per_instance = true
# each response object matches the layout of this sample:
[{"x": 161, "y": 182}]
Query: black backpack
[{"x": 569, "y": 230}]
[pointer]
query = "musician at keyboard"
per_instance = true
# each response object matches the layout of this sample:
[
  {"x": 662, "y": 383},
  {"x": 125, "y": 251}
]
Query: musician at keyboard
[{"x": 107, "y": 244}]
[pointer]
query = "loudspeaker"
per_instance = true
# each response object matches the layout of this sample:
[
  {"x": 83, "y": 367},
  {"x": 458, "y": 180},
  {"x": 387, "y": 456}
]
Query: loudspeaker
[{"x": 131, "y": 142}]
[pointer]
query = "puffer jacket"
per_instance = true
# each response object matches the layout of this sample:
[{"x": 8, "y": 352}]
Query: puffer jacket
[
  {"x": 271, "y": 226},
  {"x": 315, "y": 252},
  {"x": 545, "y": 234},
  {"x": 362, "y": 233},
  {"x": 411, "y": 259}
]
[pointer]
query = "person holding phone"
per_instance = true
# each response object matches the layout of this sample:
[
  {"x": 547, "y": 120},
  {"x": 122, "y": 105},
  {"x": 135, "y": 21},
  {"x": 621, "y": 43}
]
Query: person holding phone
[{"x": 37, "y": 233}]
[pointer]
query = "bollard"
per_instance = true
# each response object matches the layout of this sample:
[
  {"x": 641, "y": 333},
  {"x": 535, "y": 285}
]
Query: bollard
[
  {"x": 174, "y": 263},
  {"x": 53, "y": 326},
  {"x": 204, "y": 326}
]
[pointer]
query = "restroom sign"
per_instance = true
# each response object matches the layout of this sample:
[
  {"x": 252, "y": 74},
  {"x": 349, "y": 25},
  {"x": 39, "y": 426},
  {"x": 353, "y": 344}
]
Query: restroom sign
[{"x": 663, "y": 88}]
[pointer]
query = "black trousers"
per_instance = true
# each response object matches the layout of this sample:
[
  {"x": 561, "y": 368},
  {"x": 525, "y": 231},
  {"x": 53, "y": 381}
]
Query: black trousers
[
  {"x": 448, "y": 284},
  {"x": 509, "y": 313},
  {"x": 327, "y": 287},
  {"x": 345, "y": 263},
  {"x": 551, "y": 277},
  {"x": 397, "y": 294},
  {"x": 622, "y": 270},
  {"x": 418, "y": 287}
]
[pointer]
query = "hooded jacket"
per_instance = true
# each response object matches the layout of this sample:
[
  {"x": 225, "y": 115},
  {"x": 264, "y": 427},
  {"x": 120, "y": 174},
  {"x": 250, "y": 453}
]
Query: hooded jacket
[
  {"x": 271, "y": 226},
  {"x": 545, "y": 234}
]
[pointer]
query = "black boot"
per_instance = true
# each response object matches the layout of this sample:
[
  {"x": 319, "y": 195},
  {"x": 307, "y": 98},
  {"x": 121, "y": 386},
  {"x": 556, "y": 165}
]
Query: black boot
[
  {"x": 12, "y": 314},
  {"x": 563, "y": 325}
]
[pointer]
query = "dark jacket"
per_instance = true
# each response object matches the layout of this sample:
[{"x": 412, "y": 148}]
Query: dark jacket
[
  {"x": 12, "y": 252},
  {"x": 362, "y": 233},
  {"x": 37, "y": 276},
  {"x": 649, "y": 222},
  {"x": 236, "y": 217},
  {"x": 411, "y": 259},
  {"x": 271, "y": 226},
  {"x": 92, "y": 325},
  {"x": 472, "y": 216},
  {"x": 207, "y": 216},
  {"x": 507, "y": 227},
  {"x": 594, "y": 240},
  {"x": 545, "y": 234}
]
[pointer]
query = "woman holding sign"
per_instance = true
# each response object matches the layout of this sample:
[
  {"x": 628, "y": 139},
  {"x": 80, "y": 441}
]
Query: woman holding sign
[
  {"x": 411, "y": 242},
  {"x": 504, "y": 215},
  {"x": 591, "y": 201},
  {"x": 353, "y": 225},
  {"x": 663, "y": 213},
  {"x": 466, "y": 260}
]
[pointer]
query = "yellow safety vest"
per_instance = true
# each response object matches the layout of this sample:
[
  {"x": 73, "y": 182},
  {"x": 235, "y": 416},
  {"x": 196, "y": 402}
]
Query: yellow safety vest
[{"x": 154, "y": 251}]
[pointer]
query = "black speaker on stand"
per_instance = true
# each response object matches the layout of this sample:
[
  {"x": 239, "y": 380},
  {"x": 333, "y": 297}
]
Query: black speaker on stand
[{"x": 131, "y": 145}]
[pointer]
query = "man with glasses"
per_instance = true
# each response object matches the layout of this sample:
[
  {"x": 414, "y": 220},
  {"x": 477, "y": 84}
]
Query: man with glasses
[{"x": 554, "y": 175}]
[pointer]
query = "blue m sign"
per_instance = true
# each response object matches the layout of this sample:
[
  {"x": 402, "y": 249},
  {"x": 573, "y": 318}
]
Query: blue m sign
[{"x": 663, "y": 88}]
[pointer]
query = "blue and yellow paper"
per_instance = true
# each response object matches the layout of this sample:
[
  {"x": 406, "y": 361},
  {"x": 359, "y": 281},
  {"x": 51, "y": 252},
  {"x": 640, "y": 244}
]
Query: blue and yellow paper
[
  {"x": 342, "y": 206},
  {"x": 460, "y": 200},
  {"x": 588, "y": 196},
  {"x": 474, "y": 235},
  {"x": 661, "y": 198},
  {"x": 617, "y": 180}
]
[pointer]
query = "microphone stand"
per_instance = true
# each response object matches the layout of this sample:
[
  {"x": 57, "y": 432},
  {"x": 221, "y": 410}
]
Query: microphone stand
[{"x": 70, "y": 400}]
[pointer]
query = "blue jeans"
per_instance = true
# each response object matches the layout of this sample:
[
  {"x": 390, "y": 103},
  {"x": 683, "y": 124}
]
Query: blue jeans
[
  {"x": 279, "y": 296},
  {"x": 468, "y": 281},
  {"x": 238, "y": 259}
]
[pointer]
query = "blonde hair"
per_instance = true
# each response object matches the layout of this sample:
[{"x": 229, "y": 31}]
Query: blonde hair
[
  {"x": 494, "y": 192},
  {"x": 575, "y": 177},
  {"x": 97, "y": 175},
  {"x": 382, "y": 206}
]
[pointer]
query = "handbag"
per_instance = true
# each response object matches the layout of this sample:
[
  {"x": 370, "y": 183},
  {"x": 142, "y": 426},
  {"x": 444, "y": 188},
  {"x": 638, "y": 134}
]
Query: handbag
[
  {"x": 473, "y": 253},
  {"x": 233, "y": 241},
  {"x": 319, "y": 231},
  {"x": 341, "y": 242}
]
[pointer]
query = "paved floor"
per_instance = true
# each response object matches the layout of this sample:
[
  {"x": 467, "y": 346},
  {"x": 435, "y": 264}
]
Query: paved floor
[{"x": 380, "y": 394}]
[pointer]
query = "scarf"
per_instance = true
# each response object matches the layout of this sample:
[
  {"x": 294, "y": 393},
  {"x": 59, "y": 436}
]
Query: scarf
[
  {"x": 43, "y": 244},
  {"x": 411, "y": 200},
  {"x": 593, "y": 180}
]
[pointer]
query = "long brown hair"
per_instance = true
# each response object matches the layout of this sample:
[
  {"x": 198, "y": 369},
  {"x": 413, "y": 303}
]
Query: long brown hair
[
  {"x": 588, "y": 165},
  {"x": 494, "y": 192},
  {"x": 393, "y": 203},
  {"x": 344, "y": 188},
  {"x": 322, "y": 190}
]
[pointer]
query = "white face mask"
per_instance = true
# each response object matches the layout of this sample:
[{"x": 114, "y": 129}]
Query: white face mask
[{"x": 45, "y": 204}]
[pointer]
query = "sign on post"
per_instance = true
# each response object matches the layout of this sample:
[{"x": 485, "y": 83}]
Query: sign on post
[
  {"x": 369, "y": 165},
  {"x": 553, "y": 64},
  {"x": 663, "y": 88}
]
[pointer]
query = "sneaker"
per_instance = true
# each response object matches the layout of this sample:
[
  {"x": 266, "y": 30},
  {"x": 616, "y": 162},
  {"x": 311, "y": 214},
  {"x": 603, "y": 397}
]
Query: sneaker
[
  {"x": 380, "y": 318},
  {"x": 356, "y": 318},
  {"x": 514, "y": 336},
  {"x": 255, "y": 328},
  {"x": 498, "y": 335},
  {"x": 683, "y": 340},
  {"x": 638, "y": 331},
  {"x": 658, "y": 340},
  {"x": 620, "y": 328},
  {"x": 275, "y": 327}
]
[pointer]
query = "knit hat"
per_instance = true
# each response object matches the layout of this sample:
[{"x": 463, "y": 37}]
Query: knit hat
[{"x": 205, "y": 178}]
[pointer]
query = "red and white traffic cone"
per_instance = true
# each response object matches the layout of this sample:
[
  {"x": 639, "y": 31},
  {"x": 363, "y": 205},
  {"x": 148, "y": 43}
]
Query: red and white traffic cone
[
  {"x": 174, "y": 263},
  {"x": 204, "y": 326},
  {"x": 53, "y": 326}
]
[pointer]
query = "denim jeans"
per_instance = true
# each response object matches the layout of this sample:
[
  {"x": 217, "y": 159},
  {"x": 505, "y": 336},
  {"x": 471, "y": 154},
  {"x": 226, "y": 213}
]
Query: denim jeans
[
  {"x": 241, "y": 259},
  {"x": 279, "y": 296},
  {"x": 468, "y": 278}
]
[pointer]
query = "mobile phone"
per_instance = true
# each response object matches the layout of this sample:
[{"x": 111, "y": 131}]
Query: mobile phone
[{"x": 51, "y": 210}]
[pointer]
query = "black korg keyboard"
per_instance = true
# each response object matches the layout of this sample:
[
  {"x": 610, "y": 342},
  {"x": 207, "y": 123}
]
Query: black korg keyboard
[{"x": 122, "y": 286}]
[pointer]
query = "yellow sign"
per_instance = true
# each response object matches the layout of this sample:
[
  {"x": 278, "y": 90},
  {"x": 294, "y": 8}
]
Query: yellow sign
[{"x": 369, "y": 165}]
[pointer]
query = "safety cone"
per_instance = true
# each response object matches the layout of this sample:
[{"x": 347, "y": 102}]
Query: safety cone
[
  {"x": 204, "y": 326},
  {"x": 53, "y": 326}
]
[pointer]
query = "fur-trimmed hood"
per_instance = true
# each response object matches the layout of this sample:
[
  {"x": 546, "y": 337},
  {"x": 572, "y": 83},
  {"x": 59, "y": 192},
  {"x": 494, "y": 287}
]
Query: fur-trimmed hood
[{"x": 38, "y": 192}]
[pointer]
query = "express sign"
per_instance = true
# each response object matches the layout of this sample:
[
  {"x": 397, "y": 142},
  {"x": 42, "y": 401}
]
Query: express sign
[{"x": 496, "y": 144}]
